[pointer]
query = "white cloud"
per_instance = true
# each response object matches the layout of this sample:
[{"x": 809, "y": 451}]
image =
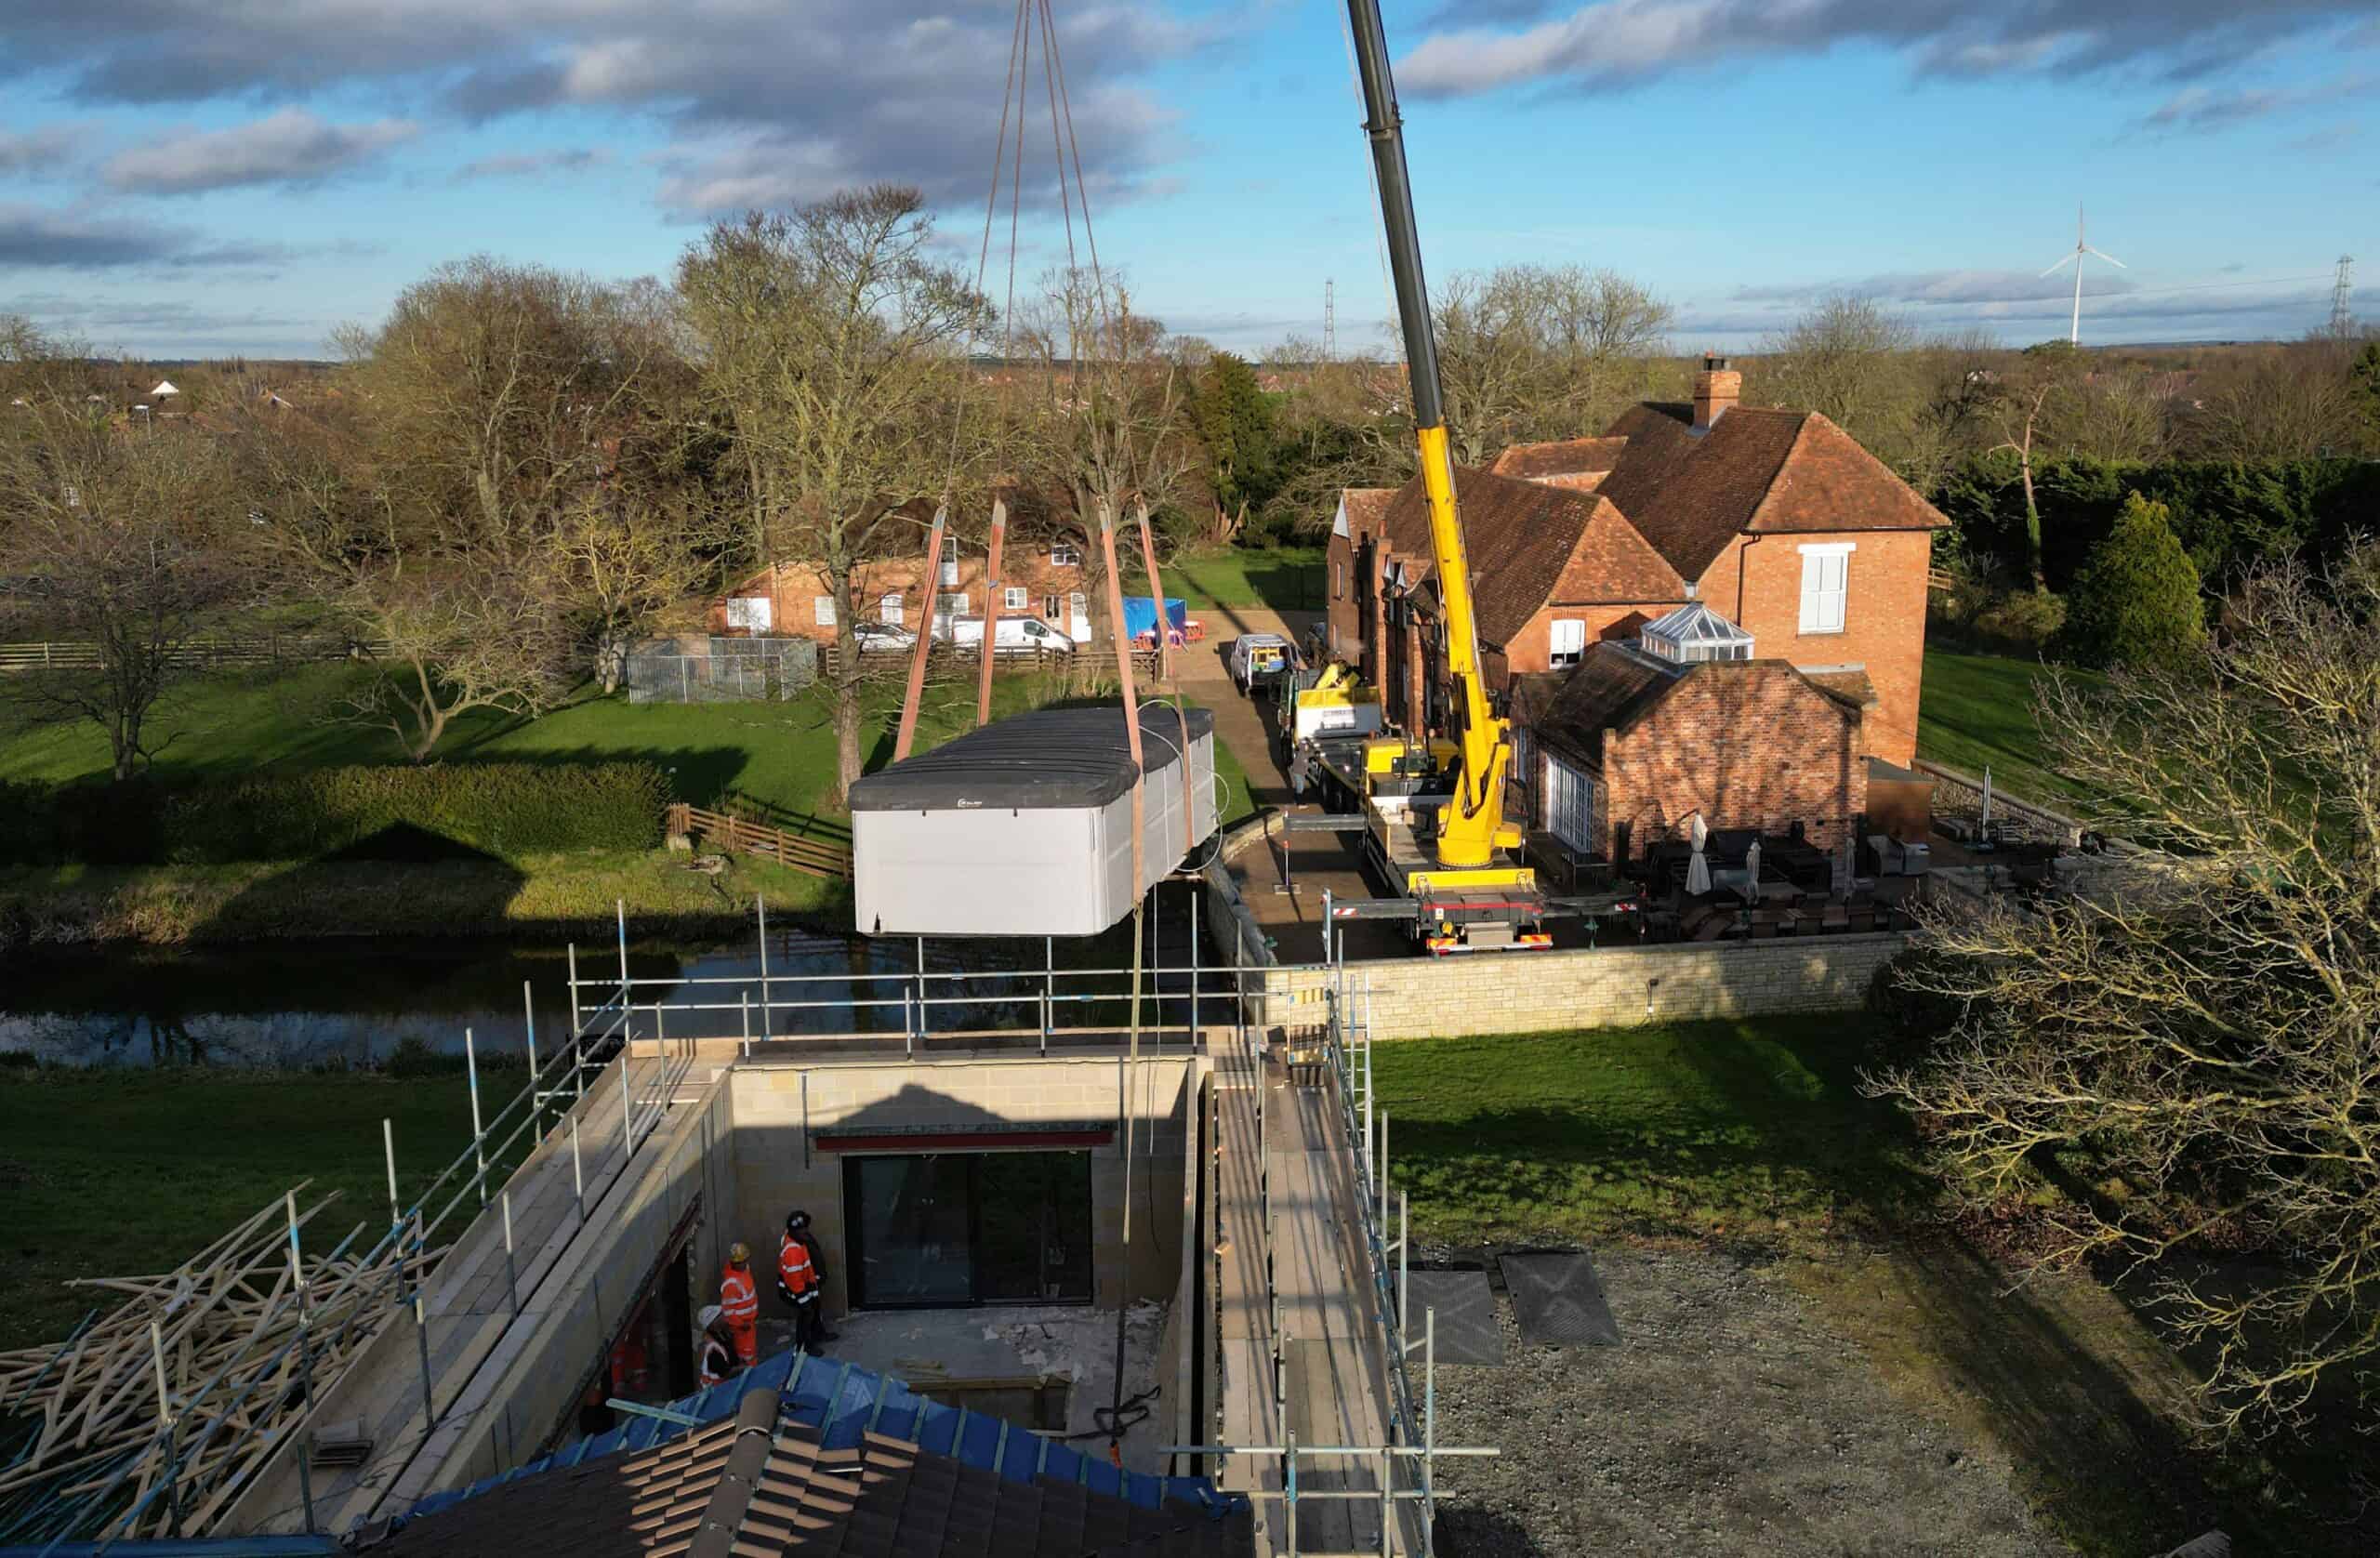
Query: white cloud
[
  {"x": 290, "y": 147},
  {"x": 36, "y": 153},
  {"x": 844, "y": 90},
  {"x": 1614, "y": 41}
]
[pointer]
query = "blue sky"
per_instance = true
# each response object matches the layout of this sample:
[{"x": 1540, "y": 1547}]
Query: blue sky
[{"x": 197, "y": 178}]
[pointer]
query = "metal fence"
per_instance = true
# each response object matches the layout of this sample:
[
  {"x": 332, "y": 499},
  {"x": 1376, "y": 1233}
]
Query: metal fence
[{"x": 725, "y": 670}]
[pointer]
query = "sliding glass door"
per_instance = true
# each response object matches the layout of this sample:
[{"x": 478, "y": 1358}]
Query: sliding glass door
[{"x": 939, "y": 1230}]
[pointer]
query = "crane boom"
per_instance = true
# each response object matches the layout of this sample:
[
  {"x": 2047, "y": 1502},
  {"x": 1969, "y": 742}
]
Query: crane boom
[{"x": 1473, "y": 825}]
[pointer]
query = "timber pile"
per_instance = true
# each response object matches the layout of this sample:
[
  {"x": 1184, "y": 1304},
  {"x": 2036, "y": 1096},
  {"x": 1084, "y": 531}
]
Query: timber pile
[{"x": 243, "y": 1344}]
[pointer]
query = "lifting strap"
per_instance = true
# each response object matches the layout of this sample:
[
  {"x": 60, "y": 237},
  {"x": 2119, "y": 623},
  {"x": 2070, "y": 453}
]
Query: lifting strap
[
  {"x": 1131, "y": 698},
  {"x": 991, "y": 612},
  {"x": 908, "y": 733},
  {"x": 1165, "y": 674}
]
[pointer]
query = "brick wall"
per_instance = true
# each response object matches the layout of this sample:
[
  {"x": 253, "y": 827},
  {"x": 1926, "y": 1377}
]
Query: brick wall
[
  {"x": 1883, "y": 618},
  {"x": 1545, "y": 992},
  {"x": 1748, "y": 744}
]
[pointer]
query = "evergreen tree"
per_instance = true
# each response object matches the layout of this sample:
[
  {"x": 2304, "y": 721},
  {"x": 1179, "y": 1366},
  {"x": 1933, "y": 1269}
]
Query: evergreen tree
[
  {"x": 2137, "y": 601},
  {"x": 1234, "y": 421}
]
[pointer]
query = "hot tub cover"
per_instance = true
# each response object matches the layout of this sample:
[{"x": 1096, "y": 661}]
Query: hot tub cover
[{"x": 1044, "y": 757}]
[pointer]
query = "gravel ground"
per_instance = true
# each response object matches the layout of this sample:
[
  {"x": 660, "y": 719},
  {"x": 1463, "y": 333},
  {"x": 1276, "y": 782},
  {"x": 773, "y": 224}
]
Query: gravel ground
[{"x": 1729, "y": 1421}]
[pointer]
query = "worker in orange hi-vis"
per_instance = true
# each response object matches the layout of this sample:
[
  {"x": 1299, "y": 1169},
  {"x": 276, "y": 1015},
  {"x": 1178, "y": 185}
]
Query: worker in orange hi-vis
[
  {"x": 800, "y": 1278},
  {"x": 739, "y": 1304}
]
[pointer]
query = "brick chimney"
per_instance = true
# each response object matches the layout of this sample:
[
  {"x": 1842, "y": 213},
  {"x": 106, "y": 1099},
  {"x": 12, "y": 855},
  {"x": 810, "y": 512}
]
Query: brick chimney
[{"x": 1716, "y": 390}]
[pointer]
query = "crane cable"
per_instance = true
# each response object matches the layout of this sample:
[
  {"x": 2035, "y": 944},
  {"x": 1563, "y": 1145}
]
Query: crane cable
[{"x": 1036, "y": 17}]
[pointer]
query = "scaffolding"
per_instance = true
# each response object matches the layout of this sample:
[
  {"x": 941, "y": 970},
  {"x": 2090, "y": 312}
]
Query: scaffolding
[{"x": 241, "y": 1343}]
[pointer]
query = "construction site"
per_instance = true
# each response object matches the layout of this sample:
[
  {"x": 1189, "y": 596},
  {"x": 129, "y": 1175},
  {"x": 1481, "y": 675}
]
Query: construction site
[{"x": 909, "y": 1260}]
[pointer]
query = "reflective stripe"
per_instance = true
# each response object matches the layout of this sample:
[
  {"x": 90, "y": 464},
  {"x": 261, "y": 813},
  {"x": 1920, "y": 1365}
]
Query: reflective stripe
[
  {"x": 794, "y": 1266},
  {"x": 717, "y": 1361},
  {"x": 738, "y": 1300}
]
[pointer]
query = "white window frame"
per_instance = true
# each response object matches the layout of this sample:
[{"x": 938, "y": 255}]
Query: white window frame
[
  {"x": 822, "y": 609},
  {"x": 749, "y": 612},
  {"x": 1049, "y": 606},
  {"x": 1064, "y": 554},
  {"x": 1566, "y": 641},
  {"x": 889, "y": 608},
  {"x": 951, "y": 605},
  {"x": 949, "y": 572},
  {"x": 1826, "y": 586},
  {"x": 1570, "y": 804},
  {"x": 1016, "y": 597},
  {"x": 1077, "y": 609}
]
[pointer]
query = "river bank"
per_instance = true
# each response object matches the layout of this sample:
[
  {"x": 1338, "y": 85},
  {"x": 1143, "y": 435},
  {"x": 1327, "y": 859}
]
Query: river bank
[{"x": 535, "y": 896}]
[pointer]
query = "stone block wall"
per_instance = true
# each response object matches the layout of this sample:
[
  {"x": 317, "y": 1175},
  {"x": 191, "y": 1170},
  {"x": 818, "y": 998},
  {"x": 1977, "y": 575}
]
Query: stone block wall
[{"x": 1544, "y": 992}]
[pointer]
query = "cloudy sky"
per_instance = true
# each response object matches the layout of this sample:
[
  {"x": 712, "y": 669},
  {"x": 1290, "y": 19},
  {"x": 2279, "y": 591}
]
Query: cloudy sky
[{"x": 188, "y": 177}]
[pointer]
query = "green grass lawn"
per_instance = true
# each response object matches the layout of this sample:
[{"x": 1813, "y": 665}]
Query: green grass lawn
[
  {"x": 1285, "y": 578},
  {"x": 99, "y": 1174},
  {"x": 1735, "y": 1128},
  {"x": 1977, "y": 710}
]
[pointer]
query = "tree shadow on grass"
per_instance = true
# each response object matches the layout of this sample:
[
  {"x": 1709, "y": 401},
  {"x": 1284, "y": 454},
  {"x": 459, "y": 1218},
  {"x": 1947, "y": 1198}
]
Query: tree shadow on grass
[{"x": 471, "y": 887}]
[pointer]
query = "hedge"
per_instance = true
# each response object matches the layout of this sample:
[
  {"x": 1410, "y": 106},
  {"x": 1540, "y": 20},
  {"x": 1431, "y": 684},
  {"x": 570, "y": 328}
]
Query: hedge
[{"x": 386, "y": 813}]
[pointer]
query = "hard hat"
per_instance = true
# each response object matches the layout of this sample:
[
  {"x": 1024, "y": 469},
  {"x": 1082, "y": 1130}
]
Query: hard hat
[
  {"x": 738, "y": 1253},
  {"x": 709, "y": 1316},
  {"x": 797, "y": 1222}
]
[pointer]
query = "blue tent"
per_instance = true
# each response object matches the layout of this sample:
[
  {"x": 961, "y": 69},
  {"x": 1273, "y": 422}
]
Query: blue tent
[{"x": 1140, "y": 614}]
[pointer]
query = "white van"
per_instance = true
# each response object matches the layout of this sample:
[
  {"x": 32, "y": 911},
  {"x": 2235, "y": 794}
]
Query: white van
[{"x": 1015, "y": 633}]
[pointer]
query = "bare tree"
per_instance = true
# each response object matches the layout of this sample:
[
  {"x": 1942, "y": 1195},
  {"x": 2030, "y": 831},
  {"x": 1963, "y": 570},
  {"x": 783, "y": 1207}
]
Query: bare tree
[
  {"x": 2292, "y": 403},
  {"x": 120, "y": 539},
  {"x": 439, "y": 524},
  {"x": 2199, "y": 1031},
  {"x": 1110, "y": 430},
  {"x": 1531, "y": 352},
  {"x": 831, "y": 345},
  {"x": 1845, "y": 359}
]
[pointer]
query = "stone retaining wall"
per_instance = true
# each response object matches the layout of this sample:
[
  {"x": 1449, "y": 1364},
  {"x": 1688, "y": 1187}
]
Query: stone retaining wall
[{"x": 1535, "y": 992}]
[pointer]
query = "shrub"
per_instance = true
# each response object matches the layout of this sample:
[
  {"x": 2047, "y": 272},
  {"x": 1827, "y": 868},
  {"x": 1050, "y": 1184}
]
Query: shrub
[
  {"x": 442, "y": 809},
  {"x": 2137, "y": 601},
  {"x": 2018, "y": 621}
]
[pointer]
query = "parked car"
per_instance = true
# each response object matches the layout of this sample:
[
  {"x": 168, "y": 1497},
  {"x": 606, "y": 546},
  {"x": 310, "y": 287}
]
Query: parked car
[
  {"x": 879, "y": 638},
  {"x": 1261, "y": 659},
  {"x": 1015, "y": 635}
]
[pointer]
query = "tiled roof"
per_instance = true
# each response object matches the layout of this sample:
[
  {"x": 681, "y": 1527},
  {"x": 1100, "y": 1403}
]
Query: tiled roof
[
  {"x": 1568, "y": 456},
  {"x": 763, "y": 1483},
  {"x": 1608, "y": 687},
  {"x": 1755, "y": 469},
  {"x": 1851, "y": 689},
  {"x": 1520, "y": 536},
  {"x": 1365, "y": 506},
  {"x": 1613, "y": 686},
  {"x": 843, "y": 1402}
]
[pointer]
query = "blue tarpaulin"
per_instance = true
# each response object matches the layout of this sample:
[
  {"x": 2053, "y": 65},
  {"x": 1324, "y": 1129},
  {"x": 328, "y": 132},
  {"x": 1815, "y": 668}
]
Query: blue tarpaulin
[{"x": 1140, "y": 614}]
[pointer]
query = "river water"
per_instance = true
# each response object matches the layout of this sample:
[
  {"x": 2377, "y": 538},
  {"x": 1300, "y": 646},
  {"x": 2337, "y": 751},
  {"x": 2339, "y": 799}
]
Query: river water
[{"x": 351, "y": 1001}]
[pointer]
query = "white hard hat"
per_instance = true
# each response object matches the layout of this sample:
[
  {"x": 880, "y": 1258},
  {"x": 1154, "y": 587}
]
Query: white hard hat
[{"x": 709, "y": 1317}]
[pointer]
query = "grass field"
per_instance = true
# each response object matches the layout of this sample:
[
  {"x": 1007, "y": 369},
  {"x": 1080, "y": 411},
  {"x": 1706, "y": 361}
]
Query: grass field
[
  {"x": 776, "y": 758},
  {"x": 1284, "y": 579},
  {"x": 1734, "y": 1128},
  {"x": 99, "y": 1173},
  {"x": 1977, "y": 710}
]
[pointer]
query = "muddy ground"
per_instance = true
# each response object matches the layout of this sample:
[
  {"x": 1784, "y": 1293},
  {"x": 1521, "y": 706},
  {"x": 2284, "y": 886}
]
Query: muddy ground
[{"x": 1729, "y": 1421}]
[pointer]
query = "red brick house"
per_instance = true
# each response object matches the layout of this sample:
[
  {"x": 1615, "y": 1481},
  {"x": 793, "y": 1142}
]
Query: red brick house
[
  {"x": 1039, "y": 577},
  {"x": 1776, "y": 524},
  {"x": 1622, "y": 749},
  {"x": 1777, "y": 519}
]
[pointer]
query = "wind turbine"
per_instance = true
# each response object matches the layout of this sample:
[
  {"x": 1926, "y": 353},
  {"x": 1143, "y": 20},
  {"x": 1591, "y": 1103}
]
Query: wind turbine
[{"x": 2074, "y": 331}]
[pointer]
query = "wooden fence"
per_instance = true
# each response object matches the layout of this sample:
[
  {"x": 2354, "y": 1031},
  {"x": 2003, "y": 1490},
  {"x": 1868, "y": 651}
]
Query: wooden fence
[
  {"x": 734, "y": 834},
  {"x": 266, "y": 650}
]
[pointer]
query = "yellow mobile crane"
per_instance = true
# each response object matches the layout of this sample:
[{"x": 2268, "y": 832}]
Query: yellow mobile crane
[{"x": 1463, "y": 891}]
